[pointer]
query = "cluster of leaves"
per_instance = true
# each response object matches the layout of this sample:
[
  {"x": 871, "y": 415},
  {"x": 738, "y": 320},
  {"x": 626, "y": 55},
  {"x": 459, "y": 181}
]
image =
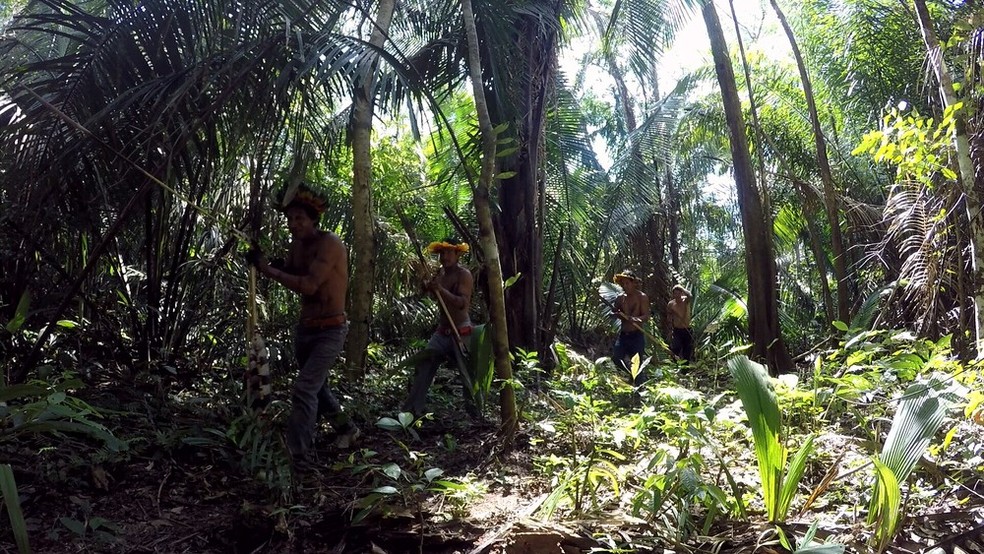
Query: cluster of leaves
[{"x": 674, "y": 456}]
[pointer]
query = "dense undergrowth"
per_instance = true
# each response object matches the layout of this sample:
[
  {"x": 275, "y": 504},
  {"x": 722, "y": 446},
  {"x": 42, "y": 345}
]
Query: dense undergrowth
[{"x": 857, "y": 451}]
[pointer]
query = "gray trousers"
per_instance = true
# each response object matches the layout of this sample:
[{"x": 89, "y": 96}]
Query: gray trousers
[
  {"x": 439, "y": 349},
  {"x": 316, "y": 351}
]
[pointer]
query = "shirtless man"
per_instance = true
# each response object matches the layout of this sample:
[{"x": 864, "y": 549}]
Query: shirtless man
[
  {"x": 632, "y": 311},
  {"x": 317, "y": 269},
  {"x": 678, "y": 312},
  {"x": 453, "y": 284}
]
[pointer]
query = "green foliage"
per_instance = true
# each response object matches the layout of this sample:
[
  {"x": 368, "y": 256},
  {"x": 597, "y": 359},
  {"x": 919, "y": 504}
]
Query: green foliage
[
  {"x": 886, "y": 505},
  {"x": 252, "y": 444},
  {"x": 807, "y": 546},
  {"x": 919, "y": 147},
  {"x": 50, "y": 408},
  {"x": 87, "y": 528},
  {"x": 405, "y": 482},
  {"x": 779, "y": 482},
  {"x": 11, "y": 500},
  {"x": 480, "y": 364},
  {"x": 918, "y": 418}
]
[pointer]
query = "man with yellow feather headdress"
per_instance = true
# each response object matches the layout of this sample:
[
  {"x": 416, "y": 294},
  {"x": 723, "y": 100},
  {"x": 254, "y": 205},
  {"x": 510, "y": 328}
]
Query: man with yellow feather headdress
[{"x": 452, "y": 286}]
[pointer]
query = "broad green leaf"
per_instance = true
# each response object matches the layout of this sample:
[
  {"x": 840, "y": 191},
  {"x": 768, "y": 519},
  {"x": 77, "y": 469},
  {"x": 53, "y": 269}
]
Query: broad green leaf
[
  {"x": 793, "y": 475},
  {"x": 389, "y": 424},
  {"x": 73, "y": 525},
  {"x": 887, "y": 512},
  {"x": 759, "y": 401},
  {"x": 20, "y": 314},
  {"x": 392, "y": 471},
  {"x": 11, "y": 499}
]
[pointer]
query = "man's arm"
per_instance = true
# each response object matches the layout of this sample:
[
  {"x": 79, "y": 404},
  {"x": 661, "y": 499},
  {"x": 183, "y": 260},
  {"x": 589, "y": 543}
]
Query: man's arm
[
  {"x": 645, "y": 308},
  {"x": 461, "y": 300},
  {"x": 329, "y": 251}
]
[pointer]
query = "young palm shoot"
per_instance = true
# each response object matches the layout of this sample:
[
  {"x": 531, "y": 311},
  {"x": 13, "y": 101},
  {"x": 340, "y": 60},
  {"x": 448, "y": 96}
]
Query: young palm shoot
[
  {"x": 779, "y": 482},
  {"x": 919, "y": 417}
]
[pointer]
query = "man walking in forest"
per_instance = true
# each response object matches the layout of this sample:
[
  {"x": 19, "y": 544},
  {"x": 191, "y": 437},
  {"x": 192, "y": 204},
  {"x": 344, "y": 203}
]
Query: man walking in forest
[
  {"x": 452, "y": 288},
  {"x": 316, "y": 268},
  {"x": 678, "y": 312},
  {"x": 632, "y": 310}
]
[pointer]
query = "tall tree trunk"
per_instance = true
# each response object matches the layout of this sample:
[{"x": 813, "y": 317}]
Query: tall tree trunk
[
  {"x": 673, "y": 218},
  {"x": 965, "y": 164},
  {"x": 363, "y": 216},
  {"x": 763, "y": 302},
  {"x": 483, "y": 211},
  {"x": 826, "y": 176},
  {"x": 518, "y": 229}
]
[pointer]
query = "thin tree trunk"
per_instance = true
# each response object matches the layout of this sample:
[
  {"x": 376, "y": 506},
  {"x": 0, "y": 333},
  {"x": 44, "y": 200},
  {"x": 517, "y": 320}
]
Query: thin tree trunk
[
  {"x": 810, "y": 211},
  {"x": 763, "y": 306},
  {"x": 483, "y": 211},
  {"x": 826, "y": 176},
  {"x": 965, "y": 164},
  {"x": 673, "y": 218},
  {"x": 363, "y": 216}
]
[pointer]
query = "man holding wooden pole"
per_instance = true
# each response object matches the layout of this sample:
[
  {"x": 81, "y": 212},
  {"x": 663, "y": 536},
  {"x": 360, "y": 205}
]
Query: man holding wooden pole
[{"x": 452, "y": 287}]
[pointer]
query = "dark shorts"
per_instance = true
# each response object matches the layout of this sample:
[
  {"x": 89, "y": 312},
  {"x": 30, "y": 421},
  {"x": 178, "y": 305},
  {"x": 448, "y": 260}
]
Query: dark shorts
[{"x": 682, "y": 344}]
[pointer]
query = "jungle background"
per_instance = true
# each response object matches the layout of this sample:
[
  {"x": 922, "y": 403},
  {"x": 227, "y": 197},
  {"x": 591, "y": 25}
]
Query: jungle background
[{"x": 810, "y": 170}]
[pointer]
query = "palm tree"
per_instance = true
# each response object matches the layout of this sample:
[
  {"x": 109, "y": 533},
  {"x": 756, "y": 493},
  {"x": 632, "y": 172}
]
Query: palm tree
[
  {"x": 763, "y": 312},
  {"x": 500, "y": 345},
  {"x": 363, "y": 214},
  {"x": 966, "y": 176},
  {"x": 830, "y": 200},
  {"x": 175, "y": 89}
]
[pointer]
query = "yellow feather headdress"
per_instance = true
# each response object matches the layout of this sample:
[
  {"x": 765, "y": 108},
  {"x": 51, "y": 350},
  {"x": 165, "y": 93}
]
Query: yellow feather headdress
[{"x": 437, "y": 246}]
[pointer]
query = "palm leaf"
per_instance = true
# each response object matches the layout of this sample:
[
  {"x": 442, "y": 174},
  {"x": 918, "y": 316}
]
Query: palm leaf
[
  {"x": 480, "y": 363},
  {"x": 888, "y": 510},
  {"x": 762, "y": 409},
  {"x": 920, "y": 415},
  {"x": 8, "y": 489}
]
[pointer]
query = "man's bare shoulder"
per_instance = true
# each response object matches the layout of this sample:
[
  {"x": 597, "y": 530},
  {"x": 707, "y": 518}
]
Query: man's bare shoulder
[{"x": 328, "y": 241}]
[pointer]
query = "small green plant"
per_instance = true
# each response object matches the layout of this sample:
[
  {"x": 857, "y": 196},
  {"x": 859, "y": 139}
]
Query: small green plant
[
  {"x": 250, "y": 443},
  {"x": 86, "y": 526},
  {"x": 778, "y": 480},
  {"x": 405, "y": 482},
  {"x": 460, "y": 494},
  {"x": 920, "y": 415}
]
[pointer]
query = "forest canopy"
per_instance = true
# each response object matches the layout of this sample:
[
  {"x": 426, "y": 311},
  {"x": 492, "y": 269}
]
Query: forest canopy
[{"x": 805, "y": 172}]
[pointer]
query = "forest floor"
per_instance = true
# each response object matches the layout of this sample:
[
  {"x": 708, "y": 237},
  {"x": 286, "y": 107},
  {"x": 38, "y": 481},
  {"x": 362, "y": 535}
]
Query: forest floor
[{"x": 191, "y": 481}]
